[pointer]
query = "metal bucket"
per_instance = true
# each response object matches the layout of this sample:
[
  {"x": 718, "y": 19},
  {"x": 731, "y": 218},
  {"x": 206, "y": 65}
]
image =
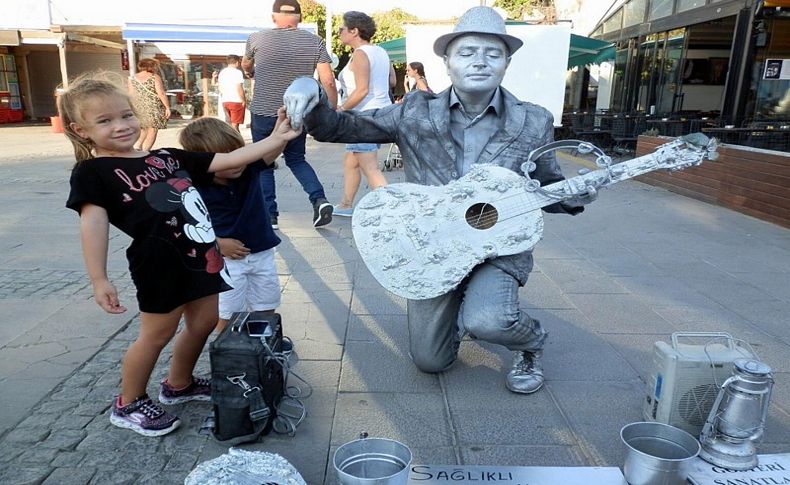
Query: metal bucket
[
  {"x": 372, "y": 461},
  {"x": 658, "y": 454}
]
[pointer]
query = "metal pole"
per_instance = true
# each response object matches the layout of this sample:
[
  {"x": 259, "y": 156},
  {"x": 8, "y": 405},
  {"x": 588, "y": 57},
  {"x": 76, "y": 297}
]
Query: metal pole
[
  {"x": 64, "y": 72},
  {"x": 132, "y": 60},
  {"x": 328, "y": 27}
]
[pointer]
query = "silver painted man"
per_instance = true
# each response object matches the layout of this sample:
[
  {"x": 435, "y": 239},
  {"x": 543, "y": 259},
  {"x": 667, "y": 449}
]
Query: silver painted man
[{"x": 440, "y": 136}]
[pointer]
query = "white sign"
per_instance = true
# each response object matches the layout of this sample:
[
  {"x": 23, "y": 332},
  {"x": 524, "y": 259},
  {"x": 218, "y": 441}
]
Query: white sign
[
  {"x": 536, "y": 72},
  {"x": 776, "y": 69},
  {"x": 514, "y": 475},
  {"x": 771, "y": 470}
]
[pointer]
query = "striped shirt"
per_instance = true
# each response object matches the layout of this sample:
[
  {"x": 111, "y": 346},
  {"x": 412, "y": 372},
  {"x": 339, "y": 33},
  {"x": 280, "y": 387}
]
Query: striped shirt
[{"x": 281, "y": 55}]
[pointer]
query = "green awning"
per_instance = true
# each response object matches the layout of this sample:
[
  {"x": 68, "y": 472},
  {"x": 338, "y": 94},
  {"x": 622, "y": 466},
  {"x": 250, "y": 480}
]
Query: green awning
[
  {"x": 585, "y": 50},
  {"x": 396, "y": 48}
]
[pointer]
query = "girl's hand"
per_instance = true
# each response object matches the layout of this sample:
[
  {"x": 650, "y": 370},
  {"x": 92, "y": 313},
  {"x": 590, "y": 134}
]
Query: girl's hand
[
  {"x": 106, "y": 296},
  {"x": 232, "y": 248},
  {"x": 282, "y": 128}
]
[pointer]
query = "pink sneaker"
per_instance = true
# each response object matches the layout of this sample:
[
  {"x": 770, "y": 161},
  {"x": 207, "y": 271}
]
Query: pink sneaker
[
  {"x": 144, "y": 417},
  {"x": 198, "y": 390}
]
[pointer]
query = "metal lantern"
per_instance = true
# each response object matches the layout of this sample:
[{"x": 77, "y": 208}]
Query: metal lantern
[{"x": 737, "y": 418}]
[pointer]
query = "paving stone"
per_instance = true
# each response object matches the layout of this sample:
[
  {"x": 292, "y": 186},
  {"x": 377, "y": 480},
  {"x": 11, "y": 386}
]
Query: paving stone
[
  {"x": 517, "y": 455},
  {"x": 67, "y": 459},
  {"x": 477, "y": 382},
  {"x": 103, "y": 460},
  {"x": 25, "y": 475},
  {"x": 71, "y": 421},
  {"x": 9, "y": 452},
  {"x": 417, "y": 419},
  {"x": 597, "y": 411},
  {"x": 37, "y": 454},
  {"x": 378, "y": 367},
  {"x": 40, "y": 419},
  {"x": 93, "y": 407},
  {"x": 64, "y": 439},
  {"x": 27, "y": 435},
  {"x": 69, "y": 476},
  {"x": 180, "y": 461},
  {"x": 113, "y": 440},
  {"x": 144, "y": 462},
  {"x": 160, "y": 478},
  {"x": 103, "y": 477},
  {"x": 377, "y": 302}
]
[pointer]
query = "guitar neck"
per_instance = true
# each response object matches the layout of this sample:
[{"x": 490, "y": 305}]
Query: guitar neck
[{"x": 603, "y": 177}]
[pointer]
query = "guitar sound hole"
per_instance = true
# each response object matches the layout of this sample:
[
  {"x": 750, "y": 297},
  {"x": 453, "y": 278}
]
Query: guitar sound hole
[{"x": 482, "y": 216}]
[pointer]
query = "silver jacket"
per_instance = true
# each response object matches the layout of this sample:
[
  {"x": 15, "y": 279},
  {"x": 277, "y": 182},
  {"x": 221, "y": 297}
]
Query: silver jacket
[{"x": 420, "y": 126}]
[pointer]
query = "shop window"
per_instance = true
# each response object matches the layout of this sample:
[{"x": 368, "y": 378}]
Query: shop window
[
  {"x": 770, "y": 91},
  {"x": 9, "y": 83},
  {"x": 660, "y": 8},
  {"x": 684, "y": 5},
  {"x": 634, "y": 12},
  {"x": 614, "y": 22}
]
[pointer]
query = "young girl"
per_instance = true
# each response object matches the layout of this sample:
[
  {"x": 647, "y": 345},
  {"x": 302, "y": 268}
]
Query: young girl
[
  {"x": 242, "y": 224},
  {"x": 173, "y": 258}
]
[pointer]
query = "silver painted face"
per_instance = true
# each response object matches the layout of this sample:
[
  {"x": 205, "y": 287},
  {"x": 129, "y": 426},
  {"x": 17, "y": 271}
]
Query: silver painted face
[{"x": 476, "y": 63}]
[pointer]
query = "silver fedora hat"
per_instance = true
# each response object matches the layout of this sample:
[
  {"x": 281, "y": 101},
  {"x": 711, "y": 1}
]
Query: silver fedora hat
[{"x": 478, "y": 20}]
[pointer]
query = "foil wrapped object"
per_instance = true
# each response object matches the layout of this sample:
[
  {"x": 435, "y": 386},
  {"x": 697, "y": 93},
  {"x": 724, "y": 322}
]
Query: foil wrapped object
[{"x": 241, "y": 467}]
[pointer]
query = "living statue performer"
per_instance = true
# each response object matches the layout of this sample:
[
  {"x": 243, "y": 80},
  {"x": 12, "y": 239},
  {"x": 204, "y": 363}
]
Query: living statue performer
[{"x": 440, "y": 136}]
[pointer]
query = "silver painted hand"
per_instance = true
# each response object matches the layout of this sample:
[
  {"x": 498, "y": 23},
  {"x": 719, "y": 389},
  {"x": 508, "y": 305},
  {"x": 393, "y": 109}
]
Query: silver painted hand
[{"x": 300, "y": 98}]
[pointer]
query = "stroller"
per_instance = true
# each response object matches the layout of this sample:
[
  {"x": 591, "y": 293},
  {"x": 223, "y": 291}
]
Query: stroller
[{"x": 393, "y": 159}]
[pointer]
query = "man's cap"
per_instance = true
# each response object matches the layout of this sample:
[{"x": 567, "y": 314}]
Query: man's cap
[
  {"x": 478, "y": 20},
  {"x": 286, "y": 6}
]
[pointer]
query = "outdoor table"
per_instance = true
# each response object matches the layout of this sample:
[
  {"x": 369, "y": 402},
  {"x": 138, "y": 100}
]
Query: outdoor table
[
  {"x": 668, "y": 127},
  {"x": 774, "y": 138}
]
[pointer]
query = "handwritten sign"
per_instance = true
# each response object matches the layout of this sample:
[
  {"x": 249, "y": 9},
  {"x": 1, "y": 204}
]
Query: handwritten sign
[
  {"x": 514, "y": 475},
  {"x": 771, "y": 470}
]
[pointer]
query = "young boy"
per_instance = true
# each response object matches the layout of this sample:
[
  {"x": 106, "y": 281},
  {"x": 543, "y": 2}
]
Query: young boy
[{"x": 241, "y": 222}]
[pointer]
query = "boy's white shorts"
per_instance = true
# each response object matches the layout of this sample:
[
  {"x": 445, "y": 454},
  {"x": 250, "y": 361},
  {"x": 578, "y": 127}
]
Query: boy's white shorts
[{"x": 255, "y": 285}]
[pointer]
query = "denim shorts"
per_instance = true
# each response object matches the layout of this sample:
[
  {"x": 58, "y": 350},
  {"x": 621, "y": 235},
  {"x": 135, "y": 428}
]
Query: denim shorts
[{"x": 362, "y": 147}]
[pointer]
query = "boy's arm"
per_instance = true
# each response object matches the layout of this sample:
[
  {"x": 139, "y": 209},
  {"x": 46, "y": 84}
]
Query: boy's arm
[
  {"x": 94, "y": 232},
  {"x": 266, "y": 149}
]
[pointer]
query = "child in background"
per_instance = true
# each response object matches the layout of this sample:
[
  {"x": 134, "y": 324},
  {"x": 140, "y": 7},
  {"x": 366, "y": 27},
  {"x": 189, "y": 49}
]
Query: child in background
[
  {"x": 240, "y": 219},
  {"x": 173, "y": 257}
]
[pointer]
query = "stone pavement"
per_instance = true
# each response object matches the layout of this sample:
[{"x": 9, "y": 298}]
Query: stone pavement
[{"x": 639, "y": 264}]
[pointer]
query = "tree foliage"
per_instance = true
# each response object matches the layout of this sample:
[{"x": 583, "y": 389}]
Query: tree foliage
[
  {"x": 389, "y": 26},
  {"x": 314, "y": 12},
  {"x": 516, "y": 9}
]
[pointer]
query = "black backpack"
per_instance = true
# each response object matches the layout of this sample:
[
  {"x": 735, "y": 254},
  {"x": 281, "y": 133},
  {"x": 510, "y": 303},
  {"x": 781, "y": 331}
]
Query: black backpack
[{"x": 248, "y": 377}]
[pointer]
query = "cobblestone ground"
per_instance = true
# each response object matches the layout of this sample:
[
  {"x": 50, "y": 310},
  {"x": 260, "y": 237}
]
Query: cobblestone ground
[
  {"x": 68, "y": 438},
  {"x": 43, "y": 283}
]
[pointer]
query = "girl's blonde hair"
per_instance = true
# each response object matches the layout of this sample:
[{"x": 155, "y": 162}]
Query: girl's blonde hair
[
  {"x": 210, "y": 135},
  {"x": 71, "y": 103}
]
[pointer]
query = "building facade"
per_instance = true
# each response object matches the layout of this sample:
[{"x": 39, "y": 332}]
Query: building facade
[
  {"x": 728, "y": 57},
  {"x": 46, "y": 43}
]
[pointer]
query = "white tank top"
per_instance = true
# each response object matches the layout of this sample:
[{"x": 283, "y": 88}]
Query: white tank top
[{"x": 379, "y": 85}]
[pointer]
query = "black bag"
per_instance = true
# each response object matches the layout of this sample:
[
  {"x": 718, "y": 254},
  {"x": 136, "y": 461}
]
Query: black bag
[{"x": 247, "y": 377}]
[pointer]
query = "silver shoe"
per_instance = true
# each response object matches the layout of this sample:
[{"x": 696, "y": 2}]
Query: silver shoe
[{"x": 526, "y": 375}]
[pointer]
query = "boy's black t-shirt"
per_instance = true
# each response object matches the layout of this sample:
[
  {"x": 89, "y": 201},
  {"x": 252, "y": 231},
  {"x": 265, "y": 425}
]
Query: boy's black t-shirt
[{"x": 173, "y": 257}]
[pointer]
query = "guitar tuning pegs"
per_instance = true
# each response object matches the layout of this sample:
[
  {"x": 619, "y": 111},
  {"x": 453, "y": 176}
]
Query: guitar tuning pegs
[
  {"x": 532, "y": 185},
  {"x": 528, "y": 167}
]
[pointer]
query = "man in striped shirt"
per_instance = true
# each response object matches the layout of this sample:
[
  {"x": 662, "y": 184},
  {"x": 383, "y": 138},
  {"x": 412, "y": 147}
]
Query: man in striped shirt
[{"x": 277, "y": 57}]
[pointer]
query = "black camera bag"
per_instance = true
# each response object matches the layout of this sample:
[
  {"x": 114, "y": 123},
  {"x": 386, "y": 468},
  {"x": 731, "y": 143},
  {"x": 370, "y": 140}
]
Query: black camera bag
[{"x": 247, "y": 379}]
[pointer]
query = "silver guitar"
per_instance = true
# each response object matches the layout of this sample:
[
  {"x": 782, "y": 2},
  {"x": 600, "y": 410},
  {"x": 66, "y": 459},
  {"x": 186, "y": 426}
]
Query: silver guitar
[{"x": 421, "y": 241}]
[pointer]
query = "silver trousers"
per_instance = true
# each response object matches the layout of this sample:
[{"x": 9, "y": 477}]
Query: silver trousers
[{"x": 484, "y": 306}]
